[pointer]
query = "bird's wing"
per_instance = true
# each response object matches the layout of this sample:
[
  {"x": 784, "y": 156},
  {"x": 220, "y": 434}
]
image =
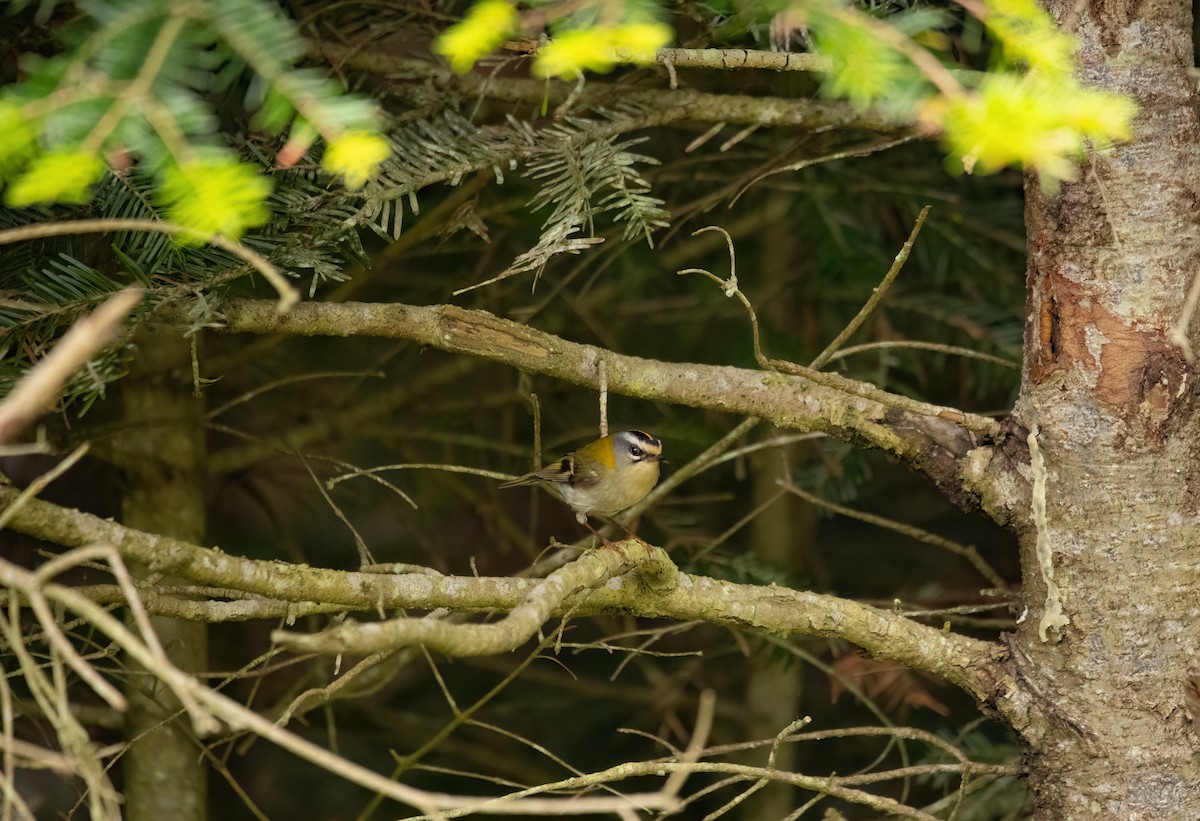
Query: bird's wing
[
  {"x": 569, "y": 471},
  {"x": 580, "y": 476},
  {"x": 566, "y": 471},
  {"x": 561, "y": 472}
]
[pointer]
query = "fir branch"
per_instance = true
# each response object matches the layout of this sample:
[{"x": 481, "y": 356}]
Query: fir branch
[
  {"x": 581, "y": 166},
  {"x": 583, "y": 175},
  {"x": 287, "y": 294},
  {"x": 670, "y": 105},
  {"x": 43, "y": 385}
]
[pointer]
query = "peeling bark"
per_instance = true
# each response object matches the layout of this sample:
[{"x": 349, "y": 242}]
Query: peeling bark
[{"x": 1111, "y": 257}]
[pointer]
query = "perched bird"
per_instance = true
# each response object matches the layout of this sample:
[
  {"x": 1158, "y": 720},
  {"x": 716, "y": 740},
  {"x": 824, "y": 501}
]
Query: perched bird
[{"x": 601, "y": 478}]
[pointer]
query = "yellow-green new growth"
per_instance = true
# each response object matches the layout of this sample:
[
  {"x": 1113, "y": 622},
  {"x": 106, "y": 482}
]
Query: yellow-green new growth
[
  {"x": 355, "y": 156},
  {"x": 484, "y": 28},
  {"x": 57, "y": 176},
  {"x": 217, "y": 196},
  {"x": 1033, "y": 121},
  {"x": 600, "y": 48},
  {"x": 569, "y": 52}
]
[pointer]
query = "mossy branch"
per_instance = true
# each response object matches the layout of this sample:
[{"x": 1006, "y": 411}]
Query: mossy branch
[
  {"x": 650, "y": 565},
  {"x": 970, "y": 664}
]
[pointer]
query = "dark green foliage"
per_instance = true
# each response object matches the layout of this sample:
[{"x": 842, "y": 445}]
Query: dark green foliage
[{"x": 53, "y": 297}]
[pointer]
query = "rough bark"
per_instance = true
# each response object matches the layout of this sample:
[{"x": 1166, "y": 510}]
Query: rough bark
[{"x": 1111, "y": 258}]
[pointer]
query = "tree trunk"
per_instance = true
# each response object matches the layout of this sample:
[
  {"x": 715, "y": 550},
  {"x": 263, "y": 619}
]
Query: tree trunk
[
  {"x": 164, "y": 770},
  {"x": 1112, "y": 256},
  {"x": 781, "y": 536}
]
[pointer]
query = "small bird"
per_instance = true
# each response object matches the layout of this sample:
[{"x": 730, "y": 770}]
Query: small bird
[{"x": 602, "y": 478}]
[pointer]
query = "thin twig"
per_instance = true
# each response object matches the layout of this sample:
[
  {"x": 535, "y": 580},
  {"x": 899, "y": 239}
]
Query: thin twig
[
  {"x": 55, "y": 638},
  {"x": 365, "y": 558},
  {"x": 937, "y": 347},
  {"x": 37, "y": 485},
  {"x": 221, "y": 707},
  {"x": 602, "y": 375},
  {"x": 524, "y": 802},
  {"x": 353, "y": 470},
  {"x": 700, "y": 732},
  {"x": 968, "y": 552},
  {"x": 407, "y": 762},
  {"x": 879, "y": 144},
  {"x": 813, "y": 373},
  {"x": 721, "y": 538},
  {"x": 876, "y": 295},
  {"x": 730, "y": 288},
  {"x": 288, "y": 380},
  {"x": 487, "y": 474},
  {"x": 853, "y": 689}
]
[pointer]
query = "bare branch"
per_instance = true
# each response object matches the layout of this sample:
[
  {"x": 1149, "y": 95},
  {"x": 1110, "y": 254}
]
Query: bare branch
[
  {"x": 876, "y": 295},
  {"x": 524, "y": 803},
  {"x": 740, "y": 58},
  {"x": 968, "y": 552},
  {"x": 721, "y": 59},
  {"x": 931, "y": 438},
  {"x": 216, "y": 707}
]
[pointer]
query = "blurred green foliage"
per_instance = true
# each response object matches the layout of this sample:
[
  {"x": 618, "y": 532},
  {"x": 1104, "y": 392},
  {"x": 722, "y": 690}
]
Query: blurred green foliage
[
  {"x": 897, "y": 58},
  {"x": 136, "y": 83}
]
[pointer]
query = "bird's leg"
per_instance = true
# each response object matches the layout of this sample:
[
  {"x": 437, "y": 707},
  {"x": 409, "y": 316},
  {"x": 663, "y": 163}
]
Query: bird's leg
[
  {"x": 583, "y": 520},
  {"x": 619, "y": 526}
]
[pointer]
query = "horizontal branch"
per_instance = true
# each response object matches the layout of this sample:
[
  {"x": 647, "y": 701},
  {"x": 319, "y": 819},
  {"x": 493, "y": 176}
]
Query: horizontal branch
[
  {"x": 214, "y": 610},
  {"x": 970, "y": 664},
  {"x": 727, "y": 59},
  {"x": 673, "y": 104},
  {"x": 720, "y": 59},
  {"x": 930, "y": 438},
  {"x": 548, "y": 596}
]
